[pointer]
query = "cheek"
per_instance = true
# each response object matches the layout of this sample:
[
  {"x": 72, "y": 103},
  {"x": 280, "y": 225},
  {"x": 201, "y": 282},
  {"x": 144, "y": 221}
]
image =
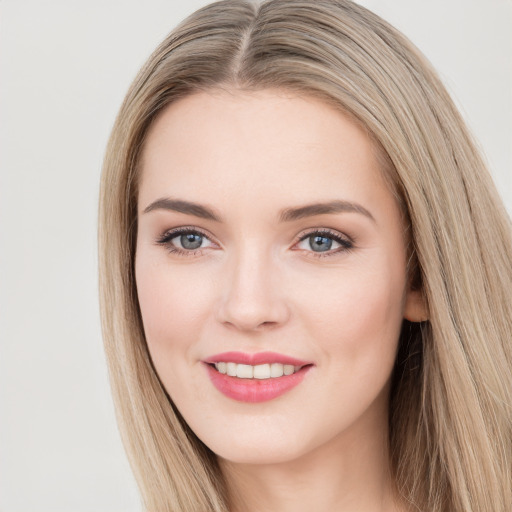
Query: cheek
[
  {"x": 374, "y": 306},
  {"x": 173, "y": 303},
  {"x": 357, "y": 315}
]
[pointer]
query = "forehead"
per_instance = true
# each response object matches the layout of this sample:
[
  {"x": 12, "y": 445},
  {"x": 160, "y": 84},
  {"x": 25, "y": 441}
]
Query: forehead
[{"x": 221, "y": 146}]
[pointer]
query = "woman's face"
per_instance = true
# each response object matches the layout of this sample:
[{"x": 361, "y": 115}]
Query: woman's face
[{"x": 269, "y": 243}]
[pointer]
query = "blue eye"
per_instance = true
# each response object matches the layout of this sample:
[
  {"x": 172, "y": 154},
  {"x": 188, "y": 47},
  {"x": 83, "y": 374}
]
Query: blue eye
[
  {"x": 320, "y": 243},
  {"x": 324, "y": 242},
  {"x": 184, "y": 241},
  {"x": 190, "y": 241}
]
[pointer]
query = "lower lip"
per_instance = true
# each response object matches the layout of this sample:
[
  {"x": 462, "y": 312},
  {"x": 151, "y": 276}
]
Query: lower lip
[{"x": 255, "y": 390}]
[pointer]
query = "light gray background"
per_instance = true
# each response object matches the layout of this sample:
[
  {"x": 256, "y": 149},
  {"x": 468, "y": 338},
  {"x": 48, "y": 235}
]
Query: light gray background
[{"x": 65, "y": 66}]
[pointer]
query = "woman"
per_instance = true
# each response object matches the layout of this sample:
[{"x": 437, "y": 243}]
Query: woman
[{"x": 305, "y": 273}]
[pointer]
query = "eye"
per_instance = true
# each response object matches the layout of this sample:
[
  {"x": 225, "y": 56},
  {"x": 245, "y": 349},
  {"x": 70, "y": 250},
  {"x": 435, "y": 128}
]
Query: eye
[
  {"x": 184, "y": 241},
  {"x": 325, "y": 241},
  {"x": 189, "y": 241}
]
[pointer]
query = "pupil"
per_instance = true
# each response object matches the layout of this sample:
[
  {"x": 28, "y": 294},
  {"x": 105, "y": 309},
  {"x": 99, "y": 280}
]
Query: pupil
[
  {"x": 320, "y": 243},
  {"x": 191, "y": 241}
]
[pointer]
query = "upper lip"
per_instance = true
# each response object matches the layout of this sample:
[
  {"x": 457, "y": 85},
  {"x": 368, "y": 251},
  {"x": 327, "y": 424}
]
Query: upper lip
[{"x": 255, "y": 359}]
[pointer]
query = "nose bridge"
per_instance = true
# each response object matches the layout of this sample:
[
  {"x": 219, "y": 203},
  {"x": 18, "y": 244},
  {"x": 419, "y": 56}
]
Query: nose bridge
[{"x": 252, "y": 296}]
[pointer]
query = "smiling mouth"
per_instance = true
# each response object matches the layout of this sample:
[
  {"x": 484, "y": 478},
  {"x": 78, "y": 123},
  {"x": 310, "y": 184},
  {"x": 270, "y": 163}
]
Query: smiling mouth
[
  {"x": 260, "y": 371},
  {"x": 255, "y": 383},
  {"x": 255, "y": 377}
]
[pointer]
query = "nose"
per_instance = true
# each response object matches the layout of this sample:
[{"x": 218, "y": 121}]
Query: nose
[{"x": 252, "y": 296}]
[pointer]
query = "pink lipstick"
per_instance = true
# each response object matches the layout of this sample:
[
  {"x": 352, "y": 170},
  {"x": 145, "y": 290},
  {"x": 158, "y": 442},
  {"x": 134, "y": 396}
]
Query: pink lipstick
[{"x": 255, "y": 377}]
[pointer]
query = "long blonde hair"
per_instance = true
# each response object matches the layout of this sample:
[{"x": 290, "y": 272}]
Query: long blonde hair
[{"x": 451, "y": 401}]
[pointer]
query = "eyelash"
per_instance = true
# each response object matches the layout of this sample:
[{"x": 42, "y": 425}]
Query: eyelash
[
  {"x": 166, "y": 238},
  {"x": 346, "y": 243}
]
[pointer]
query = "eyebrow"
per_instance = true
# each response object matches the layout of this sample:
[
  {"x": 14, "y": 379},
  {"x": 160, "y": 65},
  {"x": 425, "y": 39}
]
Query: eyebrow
[
  {"x": 286, "y": 215},
  {"x": 188, "y": 207},
  {"x": 310, "y": 210}
]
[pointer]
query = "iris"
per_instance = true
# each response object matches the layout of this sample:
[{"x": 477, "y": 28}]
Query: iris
[
  {"x": 320, "y": 243},
  {"x": 191, "y": 241}
]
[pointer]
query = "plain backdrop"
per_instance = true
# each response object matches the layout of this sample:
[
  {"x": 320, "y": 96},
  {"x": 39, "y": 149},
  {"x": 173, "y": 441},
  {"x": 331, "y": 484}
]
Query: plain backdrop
[{"x": 64, "y": 68}]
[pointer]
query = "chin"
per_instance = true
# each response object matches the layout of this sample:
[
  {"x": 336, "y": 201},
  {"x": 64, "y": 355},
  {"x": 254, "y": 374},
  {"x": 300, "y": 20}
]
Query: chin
[
  {"x": 261, "y": 456},
  {"x": 261, "y": 446}
]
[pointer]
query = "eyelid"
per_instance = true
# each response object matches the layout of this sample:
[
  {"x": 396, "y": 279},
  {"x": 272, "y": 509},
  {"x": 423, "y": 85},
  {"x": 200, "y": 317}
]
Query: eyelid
[
  {"x": 165, "y": 239},
  {"x": 170, "y": 233},
  {"x": 346, "y": 242}
]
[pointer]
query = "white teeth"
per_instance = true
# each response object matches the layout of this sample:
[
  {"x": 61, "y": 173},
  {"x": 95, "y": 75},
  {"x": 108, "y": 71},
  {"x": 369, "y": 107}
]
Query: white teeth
[
  {"x": 288, "y": 369},
  {"x": 276, "y": 370},
  {"x": 231, "y": 369},
  {"x": 260, "y": 371},
  {"x": 244, "y": 371}
]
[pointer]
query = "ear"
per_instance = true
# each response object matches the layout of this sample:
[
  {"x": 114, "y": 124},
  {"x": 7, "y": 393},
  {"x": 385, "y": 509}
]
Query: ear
[{"x": 415, "y": 308}]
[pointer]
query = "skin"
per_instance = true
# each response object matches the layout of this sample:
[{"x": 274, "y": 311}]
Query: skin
[{"x": 256, "y": 284}]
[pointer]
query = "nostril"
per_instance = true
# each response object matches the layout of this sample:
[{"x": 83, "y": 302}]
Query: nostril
[{"x": 268, "y": 324}]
